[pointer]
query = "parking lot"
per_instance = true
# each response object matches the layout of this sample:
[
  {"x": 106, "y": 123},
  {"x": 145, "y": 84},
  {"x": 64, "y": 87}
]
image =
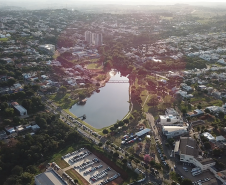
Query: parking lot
[
  {"x": 88, "y": 165},
  {"x": 187, "y": 174}
]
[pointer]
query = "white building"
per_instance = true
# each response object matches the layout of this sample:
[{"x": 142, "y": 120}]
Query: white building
[
  {"x": 169, "y": 120},
  {"x": 173, "y": 131},
  {"x": 188, "y": 151},
  {"x": 208, "y": 136}
]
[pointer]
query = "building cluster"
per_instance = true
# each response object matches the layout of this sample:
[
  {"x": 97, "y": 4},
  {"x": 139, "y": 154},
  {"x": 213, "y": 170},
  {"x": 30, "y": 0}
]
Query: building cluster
[{"x": 94, "y": 38}]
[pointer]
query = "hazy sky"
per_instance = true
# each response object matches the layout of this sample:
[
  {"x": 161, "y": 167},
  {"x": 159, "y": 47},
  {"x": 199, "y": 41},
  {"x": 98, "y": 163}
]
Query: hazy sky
[{"x": 59, "y": 3}]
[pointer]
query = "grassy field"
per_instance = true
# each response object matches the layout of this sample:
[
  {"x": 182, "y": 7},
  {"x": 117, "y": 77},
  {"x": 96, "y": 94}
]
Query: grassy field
[
  {"x": 94, "y": 66},
  {"x": 4, "y": 39},
  {"x": 75, "y": 175},
  {"x": 63, "y": 101}
]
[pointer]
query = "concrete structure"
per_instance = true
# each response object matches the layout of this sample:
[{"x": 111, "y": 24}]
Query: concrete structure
[
  {"x": 188, "y": 151},
  {"x": 174, "y": 131},
  {"x": 169, "y": 119},
  {"x": 22, "y": 111},
  {"x": 49, "y": 177}
]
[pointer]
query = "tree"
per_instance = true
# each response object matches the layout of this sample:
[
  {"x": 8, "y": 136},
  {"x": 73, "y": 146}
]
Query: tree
[
  {"x": 105, "y": 131},
  {"x": 199, "y": 106},
  {"x": 186, "y": 182},
  {"x": 184, "y": 111},
  {"x": 126, "y": 121},
  {"x": 42, "y": 123},
  {"x": 115, "y": 155},
  {"x": 81, "y": 96},
  {"x": 63, "y": 89},
  {"x": 116, "y": 125},
  {"x": 75, "y": 180},
  {"x": 207, "y": 111},
  {"x": 153, "y": 101},
  {"x": 17, "y": 170},
  {"x": 112, "y": 128},
  {"x": 26, "y": 178},
  {"x": 26, "y": 103},
  {"x": 221, "y": 115},
  {"x": 121, "y": 123},
  {"x": 9, "y": 112},
  {"x": 124, "y": 161},
  {"x": 147, "y": 158},
  {"x": 100, "y": 144},
  {"x": 207, "y": 145}
]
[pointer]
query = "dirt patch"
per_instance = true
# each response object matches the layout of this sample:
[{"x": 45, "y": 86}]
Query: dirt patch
[
  {"x": 110, "y": 163},
  {"x": 116, "y": 181},
  {"x": 75, "y": 175}
]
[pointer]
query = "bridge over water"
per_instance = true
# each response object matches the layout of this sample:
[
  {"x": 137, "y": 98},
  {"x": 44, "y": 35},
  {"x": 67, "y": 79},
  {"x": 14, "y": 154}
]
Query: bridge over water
[{"x": 118, "y": 81}]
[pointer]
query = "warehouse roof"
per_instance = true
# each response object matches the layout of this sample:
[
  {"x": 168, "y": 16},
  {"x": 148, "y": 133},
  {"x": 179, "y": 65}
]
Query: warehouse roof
[{"x": 142, "y": 132}]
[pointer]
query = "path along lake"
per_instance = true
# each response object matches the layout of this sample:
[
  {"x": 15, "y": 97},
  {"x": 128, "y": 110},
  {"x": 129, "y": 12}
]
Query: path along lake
[{"x": 106, "y": 107}]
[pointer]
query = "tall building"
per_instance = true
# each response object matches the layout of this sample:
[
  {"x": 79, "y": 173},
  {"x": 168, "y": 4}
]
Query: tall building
[
  {"x": 88, "y": 36},
  {"x": 94, "y": 38},
  {"x": 99, "y": 39}
]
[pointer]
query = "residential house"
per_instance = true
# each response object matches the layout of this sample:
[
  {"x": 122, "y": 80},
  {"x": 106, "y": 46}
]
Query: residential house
[
  {"x": 195, "y": 113},
  {"x": 215, "y": 109},
  {"x": 19, "y": 108},
  {"x": 208, "y": 136}
]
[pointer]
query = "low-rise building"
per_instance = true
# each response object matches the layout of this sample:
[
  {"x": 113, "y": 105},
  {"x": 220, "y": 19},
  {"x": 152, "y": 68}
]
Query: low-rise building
[
  {"x": 19, "y": 108},
  {"x": 169, "y": 120},
  {"x": 188, "y": 151},
  {"x": 174, "y": 131},
  {"x": 208, "y": 136},
  {"x": 49, "y": 177},
  {"x": 195, "y": 113}
]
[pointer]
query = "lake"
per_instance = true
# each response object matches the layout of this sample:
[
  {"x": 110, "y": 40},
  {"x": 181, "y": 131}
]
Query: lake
[{"x": 106, "y": 107}]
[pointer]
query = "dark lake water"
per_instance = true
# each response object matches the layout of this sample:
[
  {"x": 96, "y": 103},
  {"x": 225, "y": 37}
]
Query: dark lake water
[{"x": 106, "y": 107}]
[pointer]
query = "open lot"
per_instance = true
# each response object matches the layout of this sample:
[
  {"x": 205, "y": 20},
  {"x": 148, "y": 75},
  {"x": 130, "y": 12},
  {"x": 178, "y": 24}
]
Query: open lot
[
  {"x": 203, "y": 175},
  {"x": 90, "y": 159}
]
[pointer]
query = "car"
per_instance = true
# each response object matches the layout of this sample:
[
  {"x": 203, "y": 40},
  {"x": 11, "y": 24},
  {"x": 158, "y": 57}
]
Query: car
[
  {"x": 174, "y": 166},
  {"x": 184, "y": 168}
]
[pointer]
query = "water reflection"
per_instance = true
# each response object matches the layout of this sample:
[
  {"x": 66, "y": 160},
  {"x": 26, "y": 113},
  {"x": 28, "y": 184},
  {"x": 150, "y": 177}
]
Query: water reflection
[{"x": 109, "y": 105}]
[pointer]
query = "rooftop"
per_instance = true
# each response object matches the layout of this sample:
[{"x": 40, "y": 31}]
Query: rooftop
[
  {"x": 205, "y": 161},
  {"x": 188, "y": 146},
  {"x": 49, "y": 178},
  {"x": 173, "y": 128},
  {"x": 142, "y": 132}
]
